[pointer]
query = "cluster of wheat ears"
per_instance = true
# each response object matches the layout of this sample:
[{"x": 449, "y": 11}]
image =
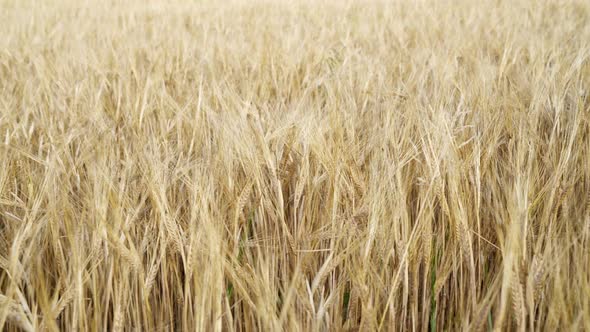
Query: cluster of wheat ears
[{"x": 300, "y": 166}]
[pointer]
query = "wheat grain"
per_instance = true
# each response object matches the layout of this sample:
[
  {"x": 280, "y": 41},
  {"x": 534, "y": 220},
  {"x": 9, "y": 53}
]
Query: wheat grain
[{"x": 242, "y": 165}]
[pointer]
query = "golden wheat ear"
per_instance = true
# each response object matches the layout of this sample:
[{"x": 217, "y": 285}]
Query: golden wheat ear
[{"x": 254, "y": 165}]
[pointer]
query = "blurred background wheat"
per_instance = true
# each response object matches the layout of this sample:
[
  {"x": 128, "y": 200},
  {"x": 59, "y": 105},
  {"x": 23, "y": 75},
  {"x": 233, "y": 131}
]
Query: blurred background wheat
[{"x": 299, "y": 166}]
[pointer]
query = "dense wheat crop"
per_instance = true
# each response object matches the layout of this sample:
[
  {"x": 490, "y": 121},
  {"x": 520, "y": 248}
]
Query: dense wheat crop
[{"x": 299, "y": 166}]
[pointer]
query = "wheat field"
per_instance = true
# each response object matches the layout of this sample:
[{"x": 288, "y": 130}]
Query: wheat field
[{"x": 355, "y": 165}]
